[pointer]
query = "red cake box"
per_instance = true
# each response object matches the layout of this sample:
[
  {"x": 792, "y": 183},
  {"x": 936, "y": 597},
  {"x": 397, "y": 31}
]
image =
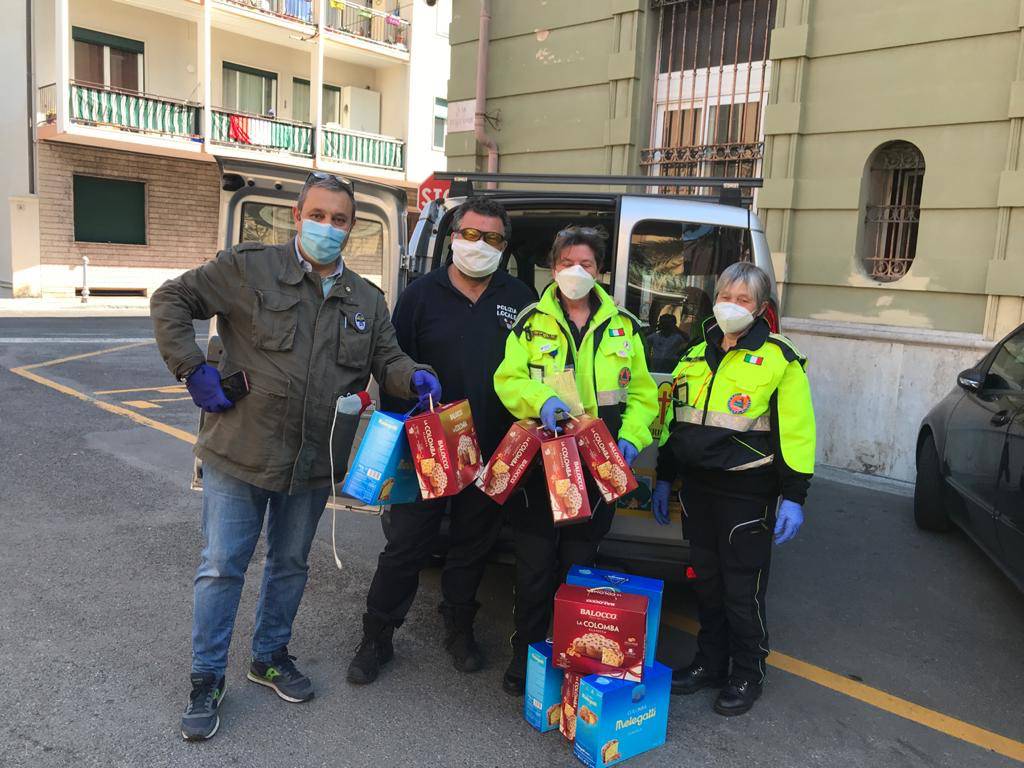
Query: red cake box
[
  {"x": 567, "y": 487},
  {"x": 511, "y": 460},
  {"x": 570, "y": 701},
  {"x": 445, "y": 451},
  {"x": 600, "y": 452},
  {"x": 600, "y": 631}
]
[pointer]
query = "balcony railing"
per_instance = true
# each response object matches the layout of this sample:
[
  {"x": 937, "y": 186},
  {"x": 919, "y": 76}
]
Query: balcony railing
[
  {"x": 259, "y": 132},
  {"x": 349, "y": 18},
  {"x": 132, "y": 111},
  {"x": 46, "y": 104},
  {"x": 359, "y": 148},
  {"x": 292, "y": 10}
]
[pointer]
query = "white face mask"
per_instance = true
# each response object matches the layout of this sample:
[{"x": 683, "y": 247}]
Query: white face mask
[
  {"x": 732, "y": 318},
  {"x": 475, "y": 259},
  {"x": 574, "y": 282}
]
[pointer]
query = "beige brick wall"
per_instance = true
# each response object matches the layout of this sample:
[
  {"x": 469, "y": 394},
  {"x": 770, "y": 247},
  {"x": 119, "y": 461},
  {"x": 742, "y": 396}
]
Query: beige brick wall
[{"x": 182, "y": 200}]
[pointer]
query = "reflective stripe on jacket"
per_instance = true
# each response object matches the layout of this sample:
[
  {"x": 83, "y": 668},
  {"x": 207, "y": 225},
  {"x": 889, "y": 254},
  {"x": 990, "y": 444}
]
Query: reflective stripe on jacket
[{"x": 610, "y": 367}]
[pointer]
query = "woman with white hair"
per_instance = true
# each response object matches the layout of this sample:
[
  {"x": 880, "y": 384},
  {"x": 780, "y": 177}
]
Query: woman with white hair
[{"x": 741, "y": 443}]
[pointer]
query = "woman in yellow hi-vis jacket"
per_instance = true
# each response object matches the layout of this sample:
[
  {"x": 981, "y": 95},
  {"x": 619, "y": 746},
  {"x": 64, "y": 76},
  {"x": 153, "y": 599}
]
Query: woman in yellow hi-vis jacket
[
  {"x": 741, "y": 441},
  {"x": 575, "y": 327}
]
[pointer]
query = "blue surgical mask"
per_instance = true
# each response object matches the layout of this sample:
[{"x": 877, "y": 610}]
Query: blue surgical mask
[{"x": 322, "y": 243}]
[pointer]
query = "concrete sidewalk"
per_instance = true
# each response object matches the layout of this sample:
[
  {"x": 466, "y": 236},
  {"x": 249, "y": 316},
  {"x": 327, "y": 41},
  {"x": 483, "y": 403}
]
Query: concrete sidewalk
[{"x": 97, "y": 306}]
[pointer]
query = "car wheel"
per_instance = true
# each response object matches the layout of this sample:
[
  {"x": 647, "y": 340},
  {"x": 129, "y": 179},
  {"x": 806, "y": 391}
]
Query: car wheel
[{"x": 931, "y": 511}]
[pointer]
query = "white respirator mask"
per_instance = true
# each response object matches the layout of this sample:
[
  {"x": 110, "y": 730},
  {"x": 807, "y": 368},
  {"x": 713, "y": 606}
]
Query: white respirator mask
[
  {"x": 574, "y": 282},
  {"x": 732, "y": 318},
  {"x": 475, "y": 259}
]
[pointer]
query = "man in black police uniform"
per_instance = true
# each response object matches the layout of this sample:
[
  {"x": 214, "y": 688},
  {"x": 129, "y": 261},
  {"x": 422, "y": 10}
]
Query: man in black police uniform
[{"x": 454, "y": 319}]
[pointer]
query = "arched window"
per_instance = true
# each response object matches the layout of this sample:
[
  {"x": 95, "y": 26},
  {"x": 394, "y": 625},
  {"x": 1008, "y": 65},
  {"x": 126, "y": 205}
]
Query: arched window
[{"x": 895, "y": 178}]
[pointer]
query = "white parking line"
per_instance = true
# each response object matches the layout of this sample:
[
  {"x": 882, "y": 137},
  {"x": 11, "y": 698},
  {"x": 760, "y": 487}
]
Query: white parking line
[{"x": 72, "y": 340}]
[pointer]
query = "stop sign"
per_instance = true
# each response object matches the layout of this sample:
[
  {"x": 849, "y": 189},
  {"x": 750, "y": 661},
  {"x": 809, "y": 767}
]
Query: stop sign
[{"x": 431, "y": 189}]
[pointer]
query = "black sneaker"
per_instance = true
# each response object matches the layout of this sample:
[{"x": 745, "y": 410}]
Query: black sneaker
[
  {"x": 202, "y": 718},
  {"x": 737, "y": 697},
  {"x": 374, "y": 651},
  {"x": 282, "y": 677}
]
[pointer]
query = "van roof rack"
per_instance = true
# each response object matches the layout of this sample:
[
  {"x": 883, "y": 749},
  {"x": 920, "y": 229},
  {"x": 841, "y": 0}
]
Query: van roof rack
[{"x": 729, "y": 187}]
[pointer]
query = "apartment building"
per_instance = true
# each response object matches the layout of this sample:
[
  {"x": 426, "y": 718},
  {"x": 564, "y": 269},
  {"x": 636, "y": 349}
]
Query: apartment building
[{"x": 133, "y": 102}]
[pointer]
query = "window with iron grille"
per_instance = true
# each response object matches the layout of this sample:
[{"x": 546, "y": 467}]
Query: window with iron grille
[
  {"x": 895, "y": 177},
  {"x": 711, "y": 81}
]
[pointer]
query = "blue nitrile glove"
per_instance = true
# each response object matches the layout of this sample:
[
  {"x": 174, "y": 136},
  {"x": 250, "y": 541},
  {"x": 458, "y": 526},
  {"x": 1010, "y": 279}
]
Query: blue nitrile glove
[
  {"x": 427, "y": 387},
  {"x": 791, "y": 517},
  {"x": 204, "y": 386},
  {"x": 628, "y": 451},
  {"x": 549, "y": 412},
  {"x": 659, "y": 501}
]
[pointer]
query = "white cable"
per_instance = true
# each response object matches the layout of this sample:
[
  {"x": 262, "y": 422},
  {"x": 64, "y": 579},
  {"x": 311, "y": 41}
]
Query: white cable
[{"x": 334, "y": 497}]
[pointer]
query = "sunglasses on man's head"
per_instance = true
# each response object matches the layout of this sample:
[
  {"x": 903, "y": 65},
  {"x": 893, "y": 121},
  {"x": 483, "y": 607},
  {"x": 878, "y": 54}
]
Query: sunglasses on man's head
[
  {"x": 349, "y": 186},
  {"x": 493, "y": 239},
  {"x": 573, "y": 229}
]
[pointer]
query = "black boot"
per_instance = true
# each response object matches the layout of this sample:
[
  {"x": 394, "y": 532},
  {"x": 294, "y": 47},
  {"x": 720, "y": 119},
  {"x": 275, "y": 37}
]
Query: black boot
[
  {"x": 373, "y": 651},
  {"x": 696, "y": 677},
  {"x": 514, "y": 682},
  {"x": 458, "y": 637},
  {"x": 737, "y": 697}
]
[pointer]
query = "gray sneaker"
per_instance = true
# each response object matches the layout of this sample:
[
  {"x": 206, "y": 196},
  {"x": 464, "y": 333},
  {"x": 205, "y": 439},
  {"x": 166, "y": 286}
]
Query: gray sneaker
[
  {"x": 282, "y": 677},
  {"x": 202, "y": 714}
]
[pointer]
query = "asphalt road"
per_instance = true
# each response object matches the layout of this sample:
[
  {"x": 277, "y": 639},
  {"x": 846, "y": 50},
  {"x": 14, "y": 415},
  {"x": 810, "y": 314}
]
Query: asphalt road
[{"x": 101, "y": 538}]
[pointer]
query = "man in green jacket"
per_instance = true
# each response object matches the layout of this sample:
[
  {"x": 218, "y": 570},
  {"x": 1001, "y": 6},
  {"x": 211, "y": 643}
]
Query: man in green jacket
[{"x": 304, "y": 330}]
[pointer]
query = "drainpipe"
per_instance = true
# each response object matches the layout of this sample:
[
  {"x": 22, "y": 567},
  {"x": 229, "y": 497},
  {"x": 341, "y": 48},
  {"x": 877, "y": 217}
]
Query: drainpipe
[{"x": 481, "y": 90}]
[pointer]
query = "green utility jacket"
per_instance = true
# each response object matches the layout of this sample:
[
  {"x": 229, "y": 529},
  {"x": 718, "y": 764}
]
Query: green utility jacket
[
  {"x": 748, "y": 409},
  {"x": 609, "y": 366},
  {"x": 300, "y": 351}
]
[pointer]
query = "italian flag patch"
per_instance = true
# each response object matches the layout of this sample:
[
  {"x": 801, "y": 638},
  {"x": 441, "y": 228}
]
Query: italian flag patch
[
  {"x": 616, "y": 332},
  {"x": 753, "y": 359}
]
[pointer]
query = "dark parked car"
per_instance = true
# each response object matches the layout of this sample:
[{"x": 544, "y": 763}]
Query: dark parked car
[{"x": 970, "y": 458}]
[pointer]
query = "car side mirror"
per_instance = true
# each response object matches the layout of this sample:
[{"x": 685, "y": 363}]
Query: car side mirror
[{"x": 972, "y": 380}]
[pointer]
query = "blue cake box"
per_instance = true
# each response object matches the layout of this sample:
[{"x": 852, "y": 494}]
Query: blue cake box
[
  {"x": 382, "y": 470},
  {"x": 542, "y": 704},
  {"x": 619, "y": 719},
  {"x": 636, "y": 585}
]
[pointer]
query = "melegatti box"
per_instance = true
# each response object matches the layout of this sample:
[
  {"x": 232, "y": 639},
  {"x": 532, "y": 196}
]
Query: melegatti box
[
  {"x": 382, "y": 472},
  {"x": 635, "y": 585},
  {"x": 542, "y": 704},
  {"x": 618, "y": 719}
]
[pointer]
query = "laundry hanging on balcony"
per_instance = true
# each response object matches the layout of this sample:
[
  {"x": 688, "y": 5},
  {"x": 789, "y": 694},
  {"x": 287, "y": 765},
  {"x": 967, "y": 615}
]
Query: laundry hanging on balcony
[{"x": 238, "y": 129}]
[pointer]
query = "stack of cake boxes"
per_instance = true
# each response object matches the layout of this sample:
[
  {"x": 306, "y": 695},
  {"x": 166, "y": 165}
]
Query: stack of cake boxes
[{"x": 597, "y": 681}]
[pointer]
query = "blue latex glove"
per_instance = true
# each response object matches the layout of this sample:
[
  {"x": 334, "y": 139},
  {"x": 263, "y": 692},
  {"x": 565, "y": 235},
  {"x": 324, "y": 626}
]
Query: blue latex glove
[
  {"x": 204, "y": 386},
  {"x": 628, "y": 451},
  {"x": 791, "y": 517},
  {"x": 659, "y": 501},
  {"x": 427, "y": 386},
  {"x": 549, "y": 413}
]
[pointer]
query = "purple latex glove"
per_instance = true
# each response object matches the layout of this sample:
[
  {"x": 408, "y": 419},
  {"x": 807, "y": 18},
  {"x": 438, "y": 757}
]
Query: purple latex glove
[
  {"x": 628, "y": 451},
  {"x": 427, "y": 387},
  {"x": 204, "y": 386},
  {"x": 788, "y": 522},
  {"x": 659, "y": 501},
  {"x": 549, "y": 413}
]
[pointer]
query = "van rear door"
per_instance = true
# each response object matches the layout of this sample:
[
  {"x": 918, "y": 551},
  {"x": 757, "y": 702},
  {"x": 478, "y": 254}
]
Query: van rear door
[{"x": 669, "y": 253}]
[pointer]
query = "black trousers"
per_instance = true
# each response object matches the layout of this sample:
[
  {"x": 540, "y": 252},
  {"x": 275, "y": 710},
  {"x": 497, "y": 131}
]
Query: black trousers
[
  {"x": 545, "y": 553},
  {"x": 730, "y": 549},
  {"x": 474, "y": 524}
]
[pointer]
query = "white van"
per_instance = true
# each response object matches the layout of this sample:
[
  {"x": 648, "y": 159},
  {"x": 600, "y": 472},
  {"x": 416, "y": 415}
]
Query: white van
[{"x": 665, "y": 253}]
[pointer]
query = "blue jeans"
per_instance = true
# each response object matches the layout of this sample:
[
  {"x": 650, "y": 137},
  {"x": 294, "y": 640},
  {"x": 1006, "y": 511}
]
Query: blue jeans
[{"x": 233, "y": 513}]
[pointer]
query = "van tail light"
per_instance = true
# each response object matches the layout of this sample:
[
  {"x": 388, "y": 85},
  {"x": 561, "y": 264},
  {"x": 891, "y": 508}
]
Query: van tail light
[{"x": 772, "y": 316}]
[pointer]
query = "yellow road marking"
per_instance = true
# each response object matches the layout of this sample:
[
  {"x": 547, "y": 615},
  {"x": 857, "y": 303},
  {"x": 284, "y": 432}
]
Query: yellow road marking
[
  {"x": 886, "y": 702},
  {"x": 169, "y": 399},
  {"x": 84, "y": 355},
  {"x": 27, "y": 372},
  {"x": 165, "y": 390},
  {"x": 140, "y": 404}
]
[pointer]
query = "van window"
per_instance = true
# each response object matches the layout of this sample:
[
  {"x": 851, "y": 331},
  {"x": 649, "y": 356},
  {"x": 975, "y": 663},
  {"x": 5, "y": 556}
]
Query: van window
[
  {"x": 672, "y": 271},
  {"x": 273, "y": 224}
]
